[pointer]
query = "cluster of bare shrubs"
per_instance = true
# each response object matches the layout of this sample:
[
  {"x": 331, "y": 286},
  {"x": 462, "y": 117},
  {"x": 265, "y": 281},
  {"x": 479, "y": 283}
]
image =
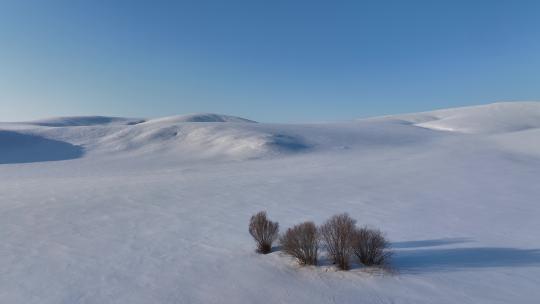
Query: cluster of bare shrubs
[{"x": 339, "y": 235}]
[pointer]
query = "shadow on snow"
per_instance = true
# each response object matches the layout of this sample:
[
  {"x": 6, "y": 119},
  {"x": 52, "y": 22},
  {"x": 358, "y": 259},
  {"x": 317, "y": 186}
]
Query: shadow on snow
[
  {"x": 16, "y": 148},
  {"x": 414, "y": 260}
]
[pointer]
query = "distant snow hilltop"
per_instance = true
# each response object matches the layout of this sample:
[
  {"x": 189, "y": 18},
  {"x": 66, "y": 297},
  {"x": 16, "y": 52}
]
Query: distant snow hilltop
[
  {"x": 81, "y": 121},
  {"x": 214, "y": 136},
  {"x": 193, "y": 136},
  {"x": 502, "y": 117}
]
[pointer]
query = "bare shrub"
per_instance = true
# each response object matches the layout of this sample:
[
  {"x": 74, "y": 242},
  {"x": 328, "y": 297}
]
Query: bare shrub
[
  {"x": 371, "y": 247},
  {"x": 337, "y": 235},
  {"x": 302, "y": 243},
  {"x": 264, "y": 231}
]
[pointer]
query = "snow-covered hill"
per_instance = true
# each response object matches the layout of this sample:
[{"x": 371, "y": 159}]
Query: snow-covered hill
[
  {"x": 495, "y": 118},
  {"x": 116, "y": 210},
  {"x": 208, "y": 136}
]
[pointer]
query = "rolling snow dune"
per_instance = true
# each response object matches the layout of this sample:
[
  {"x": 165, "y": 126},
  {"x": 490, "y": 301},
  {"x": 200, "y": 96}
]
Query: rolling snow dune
[
  {"x": 224, "y": 137},
  {"x": 485, "y": 119},
  {"x": 196, "y": 141},
  {"x": 157, "y": 212}
]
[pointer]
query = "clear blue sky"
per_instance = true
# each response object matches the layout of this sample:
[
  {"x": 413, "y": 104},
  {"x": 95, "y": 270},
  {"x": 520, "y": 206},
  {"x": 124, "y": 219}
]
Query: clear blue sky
[{"x": 282, "y": 61}]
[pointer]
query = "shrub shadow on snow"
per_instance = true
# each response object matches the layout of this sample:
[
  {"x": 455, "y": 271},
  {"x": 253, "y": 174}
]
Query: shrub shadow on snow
[
  {"x": 429, "y": 243},
  {"x": 16, "y": 148},
  {"x": 455, "y": 259}
]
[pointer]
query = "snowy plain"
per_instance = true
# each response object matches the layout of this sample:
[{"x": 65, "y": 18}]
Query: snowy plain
[{"x": 116, "y": 210}]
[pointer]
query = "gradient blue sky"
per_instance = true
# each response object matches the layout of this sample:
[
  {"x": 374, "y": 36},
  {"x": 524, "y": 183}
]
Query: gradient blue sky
[{"x": 282, "y": 61}]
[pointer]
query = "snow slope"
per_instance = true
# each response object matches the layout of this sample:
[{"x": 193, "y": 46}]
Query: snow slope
[
  {"x": 156, "y": 212},
  {"x": 499, "y": 117}
]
